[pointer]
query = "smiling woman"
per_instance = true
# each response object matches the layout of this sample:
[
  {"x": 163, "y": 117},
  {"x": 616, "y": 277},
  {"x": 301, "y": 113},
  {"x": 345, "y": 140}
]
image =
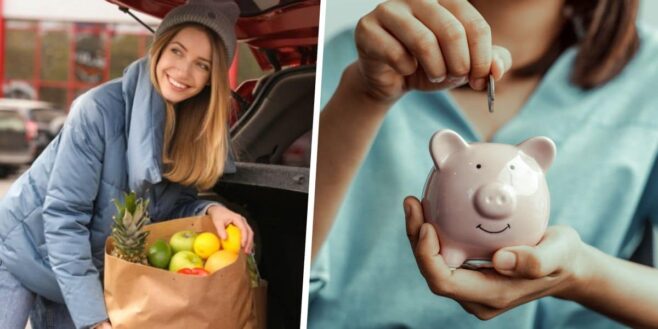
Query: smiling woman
[
  {"x": 190, "y": 71},
  {"x": 183, "y": 68}
]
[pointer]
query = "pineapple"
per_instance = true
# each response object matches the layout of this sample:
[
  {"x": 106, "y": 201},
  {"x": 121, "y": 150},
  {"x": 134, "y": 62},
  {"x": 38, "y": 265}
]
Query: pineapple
[{"x": 127, "y": 231}]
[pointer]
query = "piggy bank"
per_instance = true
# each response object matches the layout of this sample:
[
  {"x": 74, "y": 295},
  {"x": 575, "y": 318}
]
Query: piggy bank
[{"x": 481, "y": 197}]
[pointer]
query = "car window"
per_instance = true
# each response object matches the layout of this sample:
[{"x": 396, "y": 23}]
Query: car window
[
  {"x": 11, "y": 121},
  {"x": 44, "y": 115}
]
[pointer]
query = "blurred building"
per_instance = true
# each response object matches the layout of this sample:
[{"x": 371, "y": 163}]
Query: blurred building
[{"x": 56, "y": 50}]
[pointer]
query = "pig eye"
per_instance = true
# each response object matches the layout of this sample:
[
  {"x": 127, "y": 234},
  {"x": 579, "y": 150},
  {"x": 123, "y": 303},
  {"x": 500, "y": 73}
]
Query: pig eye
[
  {"x": 512, "y": 167},
  {"x": 478, "y": 166}
]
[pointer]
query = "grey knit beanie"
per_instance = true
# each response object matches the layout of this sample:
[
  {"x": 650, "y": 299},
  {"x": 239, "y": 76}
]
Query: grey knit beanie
[{"x": 217, "y": 15}]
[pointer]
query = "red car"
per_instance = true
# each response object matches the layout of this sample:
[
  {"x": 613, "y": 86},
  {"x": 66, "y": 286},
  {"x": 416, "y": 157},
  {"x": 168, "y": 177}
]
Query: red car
[{"x": 273, "y": 117}]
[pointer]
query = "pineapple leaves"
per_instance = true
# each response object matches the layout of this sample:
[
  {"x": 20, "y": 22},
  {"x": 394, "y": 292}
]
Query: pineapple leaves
[{"x": 128, "y": 228}]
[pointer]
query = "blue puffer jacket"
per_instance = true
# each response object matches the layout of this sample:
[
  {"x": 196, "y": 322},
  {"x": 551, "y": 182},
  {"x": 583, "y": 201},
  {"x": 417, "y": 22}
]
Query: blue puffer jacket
[{"x": 55, "y": 218}]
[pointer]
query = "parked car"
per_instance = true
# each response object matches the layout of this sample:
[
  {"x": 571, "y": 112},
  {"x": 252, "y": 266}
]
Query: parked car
[
  {"x": 26, "y": 128},
  {"x": 16, "y": 142},
  {"x": 271, "y": 139}
]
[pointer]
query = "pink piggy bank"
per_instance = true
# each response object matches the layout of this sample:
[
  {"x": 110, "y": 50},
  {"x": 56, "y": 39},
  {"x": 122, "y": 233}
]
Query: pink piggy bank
[{"x": 481, "y": 197}]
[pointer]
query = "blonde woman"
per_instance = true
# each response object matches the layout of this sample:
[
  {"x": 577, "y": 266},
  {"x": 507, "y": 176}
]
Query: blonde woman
[{"x": 160, "y": 130}]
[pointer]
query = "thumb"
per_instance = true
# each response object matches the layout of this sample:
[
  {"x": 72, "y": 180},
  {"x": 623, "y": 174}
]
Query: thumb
[
  {"x": 529, "y": 262},
  {"x": 502, "y": 62}
]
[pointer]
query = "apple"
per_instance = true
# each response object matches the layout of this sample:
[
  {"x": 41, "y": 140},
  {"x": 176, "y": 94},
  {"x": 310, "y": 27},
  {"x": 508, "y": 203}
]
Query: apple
[
  {"x": 184, "y": 259},
  {"x": 182, "y": 240},
  {"x": 193, "y": 271}
]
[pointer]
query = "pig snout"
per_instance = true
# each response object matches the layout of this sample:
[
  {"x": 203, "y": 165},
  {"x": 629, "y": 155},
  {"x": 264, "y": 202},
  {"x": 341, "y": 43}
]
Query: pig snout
[{"x": 495, "y": 200}]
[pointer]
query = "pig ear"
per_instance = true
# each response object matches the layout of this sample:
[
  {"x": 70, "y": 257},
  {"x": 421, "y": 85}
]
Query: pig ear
[
  {"x": 542, "y": 149},
  {"x": 443, "y": 144}
]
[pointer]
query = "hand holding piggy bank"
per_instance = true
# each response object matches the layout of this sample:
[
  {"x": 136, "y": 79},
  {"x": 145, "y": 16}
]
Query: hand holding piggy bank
[{"x": 481, "y": 197}]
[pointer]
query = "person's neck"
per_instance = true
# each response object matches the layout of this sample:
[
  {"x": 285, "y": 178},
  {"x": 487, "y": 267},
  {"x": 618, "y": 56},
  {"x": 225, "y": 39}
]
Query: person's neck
[{"x": 525, "y": 27}]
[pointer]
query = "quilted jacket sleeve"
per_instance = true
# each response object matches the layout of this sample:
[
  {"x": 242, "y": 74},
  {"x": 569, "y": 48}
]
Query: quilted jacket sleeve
[{"x": 68, "y": 209}]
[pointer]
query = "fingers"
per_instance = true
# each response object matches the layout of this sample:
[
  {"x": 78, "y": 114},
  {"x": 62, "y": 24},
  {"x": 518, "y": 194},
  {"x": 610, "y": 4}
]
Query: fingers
[
  {"x": 376, "y": 44},
  {"x": 220, "y": 226},
  {"x": 417, "y": 38},
  {"x": 478, "y": 37},
  {"x": 414, "y": 219},
  {"x": 250, "y": 239},
  {"x": 532, "y": 262},
  {"x": 462, "y": 285},
  {"x": 431, "y": 33},
  {"x": 432, "y": 266},
  {"x": 449, "y": 41},
  {"x": 482, "y": 312},
  {"x": 502, "y": 62},
  {"x": 488, "y": 292},
  {"x": 408, "y": 24},
  {"x": 246, "y": 234},
  {"x": 224, "y": 217},
  {"x": 425, "y": 244}
]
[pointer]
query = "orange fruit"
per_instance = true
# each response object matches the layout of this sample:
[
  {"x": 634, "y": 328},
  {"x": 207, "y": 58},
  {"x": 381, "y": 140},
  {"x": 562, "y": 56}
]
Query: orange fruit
[
  {"x": 233, "y": 238},
  {"x": 206, "y": 244},
  {"x": 220, "y": 260}
]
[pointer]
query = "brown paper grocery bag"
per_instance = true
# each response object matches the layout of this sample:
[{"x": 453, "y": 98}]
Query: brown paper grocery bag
[
  {"x": 260, "y": 304},
  {"x": 140, "y": 296}
]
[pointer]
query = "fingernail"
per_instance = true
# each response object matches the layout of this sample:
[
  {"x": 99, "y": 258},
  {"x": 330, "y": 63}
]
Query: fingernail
[
  {"x": 423, "y": 231},
  {"x": 407, "y": 211},
  {"x": 505, "y": 260},
  {"x": 479, "y": 84},
  {"x": 457, "y": 80},
  {"x": 500, "y": 65},
  {"x": 437, "y": 79}
]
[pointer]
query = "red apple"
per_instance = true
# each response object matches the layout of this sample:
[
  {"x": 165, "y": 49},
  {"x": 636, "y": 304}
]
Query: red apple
[{"x": 193, "y": 271}]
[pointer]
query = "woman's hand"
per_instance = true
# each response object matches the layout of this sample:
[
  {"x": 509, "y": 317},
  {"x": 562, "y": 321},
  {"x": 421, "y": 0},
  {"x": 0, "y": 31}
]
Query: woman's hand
[
  {"x": 426, "y": 45},
  {"x": 103, "y": 325},
  {"x": 222, "y": 216},
  {"x": 556, "y": 266}
]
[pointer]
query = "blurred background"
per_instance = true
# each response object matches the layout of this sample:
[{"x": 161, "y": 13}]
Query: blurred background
[{"x": 56, "y": 50}]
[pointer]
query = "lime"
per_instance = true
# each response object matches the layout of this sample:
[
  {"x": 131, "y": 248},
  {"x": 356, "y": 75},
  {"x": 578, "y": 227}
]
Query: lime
[{"x": 159, "y": 254}]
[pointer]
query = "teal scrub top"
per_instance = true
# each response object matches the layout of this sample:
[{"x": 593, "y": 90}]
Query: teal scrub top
[{"x": 603, "y": 183}]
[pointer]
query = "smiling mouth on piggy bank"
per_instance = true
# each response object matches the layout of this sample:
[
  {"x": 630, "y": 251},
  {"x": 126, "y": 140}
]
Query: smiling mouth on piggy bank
[{"x": 494, "y": 232}]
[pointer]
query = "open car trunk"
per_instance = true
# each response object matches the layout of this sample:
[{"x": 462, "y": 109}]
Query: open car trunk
[{"x": 271, "y": 195}]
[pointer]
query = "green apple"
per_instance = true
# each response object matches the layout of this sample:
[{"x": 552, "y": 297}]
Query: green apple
[
  {"x": 185, "y": 259},
  {"x": 182, "y": 240}
]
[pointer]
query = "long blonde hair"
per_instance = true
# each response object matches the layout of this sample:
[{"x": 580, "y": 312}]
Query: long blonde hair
[{"x": 195, "y": 135}]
